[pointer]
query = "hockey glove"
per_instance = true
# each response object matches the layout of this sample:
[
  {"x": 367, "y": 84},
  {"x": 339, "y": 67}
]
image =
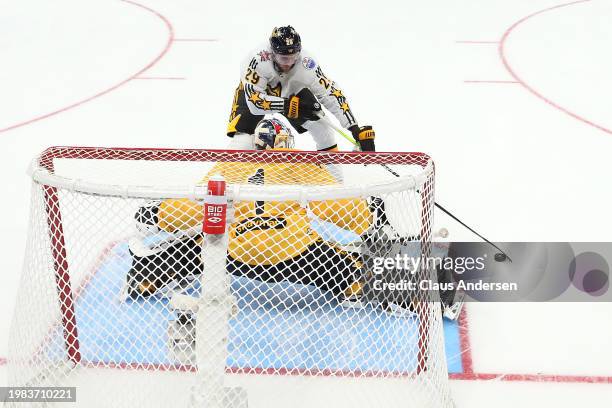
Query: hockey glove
[
  {"x": 364, "y": 135},
  {"x": 304, "y": 106}
]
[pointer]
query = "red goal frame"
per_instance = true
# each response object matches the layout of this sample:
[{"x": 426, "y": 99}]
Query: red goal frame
[{"x": 56, "y": 233}]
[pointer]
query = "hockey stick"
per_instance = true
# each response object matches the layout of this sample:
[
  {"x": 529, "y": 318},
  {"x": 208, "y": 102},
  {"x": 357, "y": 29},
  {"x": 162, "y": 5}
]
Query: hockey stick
[{"x": 498, "y": 257}]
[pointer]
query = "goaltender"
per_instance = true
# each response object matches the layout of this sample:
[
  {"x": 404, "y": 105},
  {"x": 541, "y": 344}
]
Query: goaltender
[{"x": 268, "y": 241}]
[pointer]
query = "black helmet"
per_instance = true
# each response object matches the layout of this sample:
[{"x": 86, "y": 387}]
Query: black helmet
[{"x": 285, "y": 41}]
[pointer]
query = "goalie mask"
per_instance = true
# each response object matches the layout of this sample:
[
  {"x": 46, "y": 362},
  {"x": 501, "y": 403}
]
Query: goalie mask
[{"x": 272, "y": 134}]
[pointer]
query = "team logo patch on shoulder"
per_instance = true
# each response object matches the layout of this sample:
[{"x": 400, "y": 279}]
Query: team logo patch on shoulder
[
  {"x": 264, "y": 56},
  {"x": 309, "y": 63}
]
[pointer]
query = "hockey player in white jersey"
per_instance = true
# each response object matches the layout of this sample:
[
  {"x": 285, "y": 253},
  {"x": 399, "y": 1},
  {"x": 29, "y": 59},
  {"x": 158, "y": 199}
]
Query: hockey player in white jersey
[{"x": 281, "y": 77}]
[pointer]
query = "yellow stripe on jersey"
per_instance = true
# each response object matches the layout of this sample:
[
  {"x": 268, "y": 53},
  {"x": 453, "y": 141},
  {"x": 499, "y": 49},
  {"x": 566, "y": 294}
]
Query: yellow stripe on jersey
[{"x": 231, "y": 126}]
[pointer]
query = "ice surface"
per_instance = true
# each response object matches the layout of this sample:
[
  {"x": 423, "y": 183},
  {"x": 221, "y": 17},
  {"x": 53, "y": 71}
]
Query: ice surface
[{"x": 507, "y": 161}]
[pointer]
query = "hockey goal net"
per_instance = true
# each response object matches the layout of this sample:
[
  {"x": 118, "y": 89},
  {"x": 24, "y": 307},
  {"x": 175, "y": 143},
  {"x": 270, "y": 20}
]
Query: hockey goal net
[{"x": 124, "y": 297}]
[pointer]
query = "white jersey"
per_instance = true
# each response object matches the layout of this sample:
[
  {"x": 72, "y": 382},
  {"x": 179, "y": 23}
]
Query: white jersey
[{"x": 265, "y": 87}]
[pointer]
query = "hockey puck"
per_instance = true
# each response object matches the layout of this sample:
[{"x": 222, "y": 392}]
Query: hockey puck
[
  {"x": 499, "y": 257},
  {"x": 443, "y": 233}
]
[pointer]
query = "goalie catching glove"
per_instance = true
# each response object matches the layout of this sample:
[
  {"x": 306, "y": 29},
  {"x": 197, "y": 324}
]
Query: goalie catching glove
[
  {"x": 303, "y": 105},
  {"x": 364, "y": 135}
]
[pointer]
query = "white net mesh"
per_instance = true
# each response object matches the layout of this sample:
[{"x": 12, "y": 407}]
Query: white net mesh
[{"x": 125, "y": 298}]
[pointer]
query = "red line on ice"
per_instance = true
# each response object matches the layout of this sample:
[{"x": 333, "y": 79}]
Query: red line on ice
[
  {"x": 464, "y": 343},
  {"x": 504, "y": 58},
  {"x": 586, "y": 379},
  {"x": 112, "y": 88},
  {"x": 468, "y": 373},
  {"x": 2, "y": 361}
]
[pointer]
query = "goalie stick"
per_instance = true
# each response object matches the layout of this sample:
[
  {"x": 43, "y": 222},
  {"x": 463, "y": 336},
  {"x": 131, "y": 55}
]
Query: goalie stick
[{"x": 500, "y": 257}]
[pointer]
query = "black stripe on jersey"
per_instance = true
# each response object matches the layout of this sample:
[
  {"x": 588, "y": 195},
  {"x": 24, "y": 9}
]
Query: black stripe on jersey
[
  {"x": 249, "y": 90},
  {"x": 253, "y": 63},
  {"x": 341, "y": 100},
  {"x": 350, "y": 117},
  {"x": 275, "y": 106},
  {"x": 328, "y": 148}
]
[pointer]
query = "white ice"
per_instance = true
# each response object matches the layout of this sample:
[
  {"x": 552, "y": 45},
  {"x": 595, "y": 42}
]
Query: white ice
[{"x": 507, "y": 161}]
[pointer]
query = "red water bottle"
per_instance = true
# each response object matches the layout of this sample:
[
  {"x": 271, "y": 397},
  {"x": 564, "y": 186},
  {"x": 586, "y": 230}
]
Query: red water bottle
[{"x": 215, "y": 206}]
